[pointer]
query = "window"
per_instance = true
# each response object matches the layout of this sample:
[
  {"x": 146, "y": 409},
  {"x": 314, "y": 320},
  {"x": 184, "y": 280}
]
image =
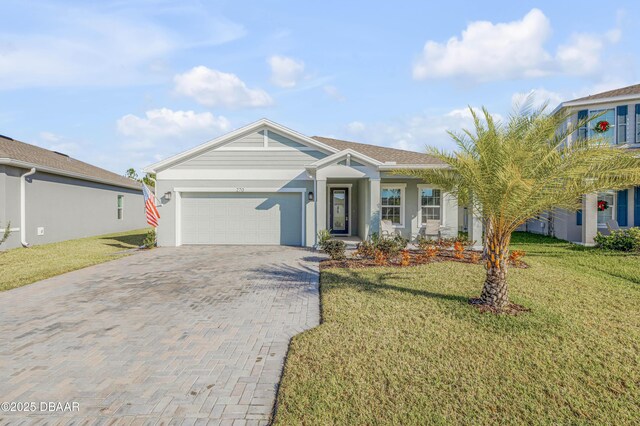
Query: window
[
  {"x": 608, "y": 115},
  {"x": 607, "y": 214},
  {"x": 621, "y": 130},
  {"x": 120, "y": 206},
  {"x": 582, "y": 130},
  {"x": 392, "y": 204},
  {"x": 637, "y": 123},
  {"x": 430, "y": 204}
]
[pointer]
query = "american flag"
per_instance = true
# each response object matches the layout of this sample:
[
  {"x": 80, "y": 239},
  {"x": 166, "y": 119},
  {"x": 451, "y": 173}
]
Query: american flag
[{"x": 150, "y": 207}]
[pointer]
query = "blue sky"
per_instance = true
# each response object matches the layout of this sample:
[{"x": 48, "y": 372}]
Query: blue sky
[{"x": 125, "y": 83}]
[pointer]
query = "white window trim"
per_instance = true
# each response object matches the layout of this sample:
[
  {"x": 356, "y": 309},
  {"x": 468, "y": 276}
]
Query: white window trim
[
  {"x": 118, "y": 208},
  {"x": 402, "y": 187},
  {"x": 442, "y": 203},
  {"x": 613, "y": 207}
]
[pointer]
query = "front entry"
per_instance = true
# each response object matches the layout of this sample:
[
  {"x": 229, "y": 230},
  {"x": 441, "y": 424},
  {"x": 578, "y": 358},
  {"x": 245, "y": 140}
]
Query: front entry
[{"x": 339, "y": 211}]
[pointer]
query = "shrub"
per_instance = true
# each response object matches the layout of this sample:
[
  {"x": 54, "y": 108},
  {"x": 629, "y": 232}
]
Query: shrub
[
  {"x": 516, "y": 255},
  {"x": 622, "y": 240},
  {"x": 391, "y": 246},
  {"x": 323, "y": 237},
  {"x": 405, "y": 258},
  {"x": 458, "y": 248},
  {"x": 425, "y": 242},
  {"x": 474, "y": 257},
  {"x": 366, "y": 249},
  {"x": 431, "y": 251},
  {"x": 335, "y": 249},
  {"x": 150, "y": 239},
  {"x": 380, "y": 258}
]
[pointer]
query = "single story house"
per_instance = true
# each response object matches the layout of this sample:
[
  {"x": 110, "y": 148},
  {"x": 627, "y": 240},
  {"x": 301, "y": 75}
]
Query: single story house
[
  {"x": 48, "y": 196},
  {"x": 267, "y": 184},
  {"x": 620, "y": 108}
]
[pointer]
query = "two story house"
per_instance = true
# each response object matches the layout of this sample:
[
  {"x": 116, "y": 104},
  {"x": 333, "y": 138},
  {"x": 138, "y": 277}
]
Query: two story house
[{"x": 620, "y": 109}]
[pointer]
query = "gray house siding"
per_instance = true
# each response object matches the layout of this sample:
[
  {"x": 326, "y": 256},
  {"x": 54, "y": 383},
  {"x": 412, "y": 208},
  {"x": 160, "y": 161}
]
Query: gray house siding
[
  {"x": 253, "y": 140},
  {"x": 263, "y": 159},
  {"x": 66, "y": 208}
]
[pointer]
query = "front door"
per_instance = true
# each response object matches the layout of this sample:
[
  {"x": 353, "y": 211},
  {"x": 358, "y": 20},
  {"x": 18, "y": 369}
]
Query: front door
[{"x": 339, "y": 211}]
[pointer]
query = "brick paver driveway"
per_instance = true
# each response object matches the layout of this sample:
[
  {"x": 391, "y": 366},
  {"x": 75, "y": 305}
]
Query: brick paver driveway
[{"x": 197, "y": 335}]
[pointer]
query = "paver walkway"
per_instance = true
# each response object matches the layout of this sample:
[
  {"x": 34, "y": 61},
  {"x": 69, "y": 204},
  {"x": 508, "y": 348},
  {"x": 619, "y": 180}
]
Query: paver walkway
[{"x": 187, "y": 335}]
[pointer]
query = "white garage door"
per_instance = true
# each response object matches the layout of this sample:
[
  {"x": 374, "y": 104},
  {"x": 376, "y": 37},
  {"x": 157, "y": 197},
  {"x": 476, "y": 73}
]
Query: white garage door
[{"x": 242, "y": 218}]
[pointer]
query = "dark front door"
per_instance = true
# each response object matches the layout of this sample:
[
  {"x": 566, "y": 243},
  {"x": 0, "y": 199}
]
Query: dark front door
[{"x": 339, "y": 211}]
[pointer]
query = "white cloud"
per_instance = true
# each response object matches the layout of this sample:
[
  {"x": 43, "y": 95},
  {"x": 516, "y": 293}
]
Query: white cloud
[
  {"x": 215, "y": 88},
  {"x": 486, "y": 51},
  {"x": 96, "y": 46},
  {"x": 164, "y": 123},
  {"x": 58, "y": 143},
  {"x": 285, "y": 71},
  {"x": 356, "y": 127},
  {"x": 417, "y": 132},
  {"x": 539, "y": 97},
  {"x": 582, "y": 54},
  {"x": 333, "y": 93}
]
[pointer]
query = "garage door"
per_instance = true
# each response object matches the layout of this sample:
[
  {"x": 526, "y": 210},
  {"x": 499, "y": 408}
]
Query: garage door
[{"x": 242, "y": 218}]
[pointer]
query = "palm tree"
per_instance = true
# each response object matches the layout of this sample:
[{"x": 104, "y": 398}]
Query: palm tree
[{"x": 513, "y": 171}]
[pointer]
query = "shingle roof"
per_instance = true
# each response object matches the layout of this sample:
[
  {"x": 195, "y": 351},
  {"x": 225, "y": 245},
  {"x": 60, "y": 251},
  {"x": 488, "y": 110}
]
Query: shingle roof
[
  {"x": 381, "y": 153},
  {"x": 20, "y": 151},
  {"x": 623, "y": 91}
]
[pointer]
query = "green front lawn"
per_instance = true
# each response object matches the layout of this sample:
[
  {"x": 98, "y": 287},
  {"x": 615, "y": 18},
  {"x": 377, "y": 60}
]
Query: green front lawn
[
  {"x": 22, "y": 266},
  {"x": 402, "y": 346}
]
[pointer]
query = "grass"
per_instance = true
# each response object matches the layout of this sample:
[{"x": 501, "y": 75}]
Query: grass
[
  {"x": 22, "y": 266},
  {"x": 402, "y": 345}
]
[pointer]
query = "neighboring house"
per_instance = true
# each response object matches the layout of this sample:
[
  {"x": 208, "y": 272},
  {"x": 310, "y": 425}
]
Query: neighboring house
[
  {"x": 267, "y": 184},
  {"x": 621, "y": 109},
  {"x": 48, "y": 196}
]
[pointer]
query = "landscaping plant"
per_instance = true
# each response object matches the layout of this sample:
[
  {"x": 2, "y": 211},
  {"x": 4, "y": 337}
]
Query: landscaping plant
[
  {"x": 150, "y": 240},
  {"x": 622, "y": 240},
  {"x": 406, "y": 259},
  {"x": 6, "y": 233},
  {"x": 509, "y": 172}
]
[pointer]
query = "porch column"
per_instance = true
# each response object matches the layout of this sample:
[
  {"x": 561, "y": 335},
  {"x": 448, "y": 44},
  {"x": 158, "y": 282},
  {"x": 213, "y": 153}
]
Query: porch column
[
  {"x": 450, "y": 219},
  {"x": 589, "y": 218},
  {"x": 321, "y": 205},
  {"x": 374, "y": 206},
  {"x": 475, "y": 229}
]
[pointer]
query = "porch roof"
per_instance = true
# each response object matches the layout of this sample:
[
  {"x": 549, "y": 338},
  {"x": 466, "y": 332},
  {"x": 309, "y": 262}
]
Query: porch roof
[{"x": 381, "y": 153}]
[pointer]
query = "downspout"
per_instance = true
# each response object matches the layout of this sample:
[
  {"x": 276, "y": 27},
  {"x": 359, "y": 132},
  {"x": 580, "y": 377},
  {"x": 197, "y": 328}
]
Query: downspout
[{"x": 23, "y": 207}]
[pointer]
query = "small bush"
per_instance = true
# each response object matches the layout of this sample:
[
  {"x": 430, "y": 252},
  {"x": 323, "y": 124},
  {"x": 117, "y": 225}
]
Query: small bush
[
  {"x": 365, "y": 249},
  {"x": 335, "y": 249},
  {"x": 150, "y": 240},
  {"x": 458, "y": 248},
  {"x": 516, "y": 255},
  {"x": 380, "y": 258},
  {"x": 622, "y": 240},
  {"x": 474, "y": 257},
  {"x": 406, "y": 259},
  {"x": 323, "y": 237},
  {"x": 391, "y": 246},
  {"x": 431, "y": 251}
]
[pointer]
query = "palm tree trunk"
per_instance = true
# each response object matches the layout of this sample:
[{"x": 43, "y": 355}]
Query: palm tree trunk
[{"x": 495, "y": 291}]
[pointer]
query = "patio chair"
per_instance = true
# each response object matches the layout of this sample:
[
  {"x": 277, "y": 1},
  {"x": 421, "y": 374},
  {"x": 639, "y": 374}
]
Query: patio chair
[
  {"x": 387, "y": 229},
  {"x": 431, "y": 229},
  {"x": 612, "y": 225}
]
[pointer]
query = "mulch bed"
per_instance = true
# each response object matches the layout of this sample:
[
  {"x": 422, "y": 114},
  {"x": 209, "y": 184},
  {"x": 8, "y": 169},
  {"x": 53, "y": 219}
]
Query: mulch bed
[{"x": 416, "y": 258}]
